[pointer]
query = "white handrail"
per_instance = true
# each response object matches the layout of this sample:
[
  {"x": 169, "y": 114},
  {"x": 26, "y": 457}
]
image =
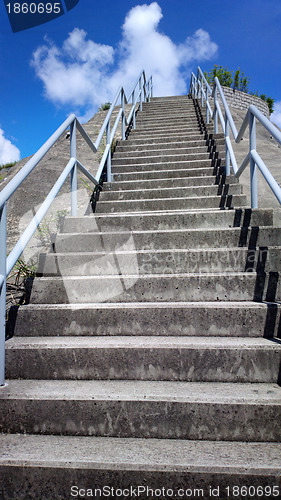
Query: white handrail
[{"x": 200, "y": 86}]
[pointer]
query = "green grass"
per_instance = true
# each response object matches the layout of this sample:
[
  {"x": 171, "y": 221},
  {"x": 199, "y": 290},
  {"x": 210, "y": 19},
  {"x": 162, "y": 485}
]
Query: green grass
[{"x": 7, "y": 165}]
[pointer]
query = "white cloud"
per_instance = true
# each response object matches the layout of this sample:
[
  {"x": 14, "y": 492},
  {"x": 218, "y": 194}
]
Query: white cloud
[
  {"x": 85, "y": 74},
  {"x": 8, "y": 152},
  {"x": 276, "y": 115}
]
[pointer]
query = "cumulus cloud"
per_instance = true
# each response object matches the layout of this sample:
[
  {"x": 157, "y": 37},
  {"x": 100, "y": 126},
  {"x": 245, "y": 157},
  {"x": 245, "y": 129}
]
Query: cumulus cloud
[
  {"x": 276, "y": 115},
  {"x": 83, "y": 73},
  {"x": 8, "y": 152}
]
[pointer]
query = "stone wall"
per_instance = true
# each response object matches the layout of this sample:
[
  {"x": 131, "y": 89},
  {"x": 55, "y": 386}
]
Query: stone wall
[{"x": 241, "y": 100}]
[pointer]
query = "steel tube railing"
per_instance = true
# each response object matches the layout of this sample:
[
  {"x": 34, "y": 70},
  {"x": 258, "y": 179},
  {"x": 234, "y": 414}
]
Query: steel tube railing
[
  {"x": 3, "y": 239},
  {"x": 87, "y": 173},
  {"x": 7, "y": 192},
  {"x": 7, "y": 263},
  {"x": 38, "y": 217},
  {"x": 227, "y": 123},
  {"x": 273, "y": 184}
]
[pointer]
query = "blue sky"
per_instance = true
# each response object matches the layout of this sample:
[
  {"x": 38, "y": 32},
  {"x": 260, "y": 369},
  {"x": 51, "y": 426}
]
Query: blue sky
[{"x": 76, "y": 62}]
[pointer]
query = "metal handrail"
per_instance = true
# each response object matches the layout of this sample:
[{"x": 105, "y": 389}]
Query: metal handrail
[
  {"x": 199, "y": 87},
  {"x": 144, "y": 93}
]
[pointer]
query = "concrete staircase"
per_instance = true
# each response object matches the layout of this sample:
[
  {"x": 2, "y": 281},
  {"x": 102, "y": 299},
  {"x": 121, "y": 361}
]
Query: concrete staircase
[{"x": 148, "y": 355}]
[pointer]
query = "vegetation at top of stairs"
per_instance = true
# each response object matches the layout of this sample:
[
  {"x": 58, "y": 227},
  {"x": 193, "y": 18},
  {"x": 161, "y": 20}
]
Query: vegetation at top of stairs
[{"x": 237, "y": 81}]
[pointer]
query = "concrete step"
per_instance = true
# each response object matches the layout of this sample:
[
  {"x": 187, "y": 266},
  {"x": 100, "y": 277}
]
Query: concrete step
[
  {"x": 170, "y": 171},
  {"x": 133, "y": 152},
  {"x": 164, "y": 239},
  {"x": 162, "y": 261},
  {"x": 157, "y": 164},
  {"x": 164, "y": 115},
  {"x": 163, "y": 158},
  {"x": 163, "y": 118},
  {"x": 171, "y": 101},
  {"x": 174, "y": 131},
  {"x": 144, "y": 137},
  {"x": 180, "y": 101},
  {"x": 143, "y": 409},
  {"x": 193, "y": 202},
  {"x": 208, "y": 319},
  {"x": 169, "y": 220},
  {"x": 158, "y": 122},
  {"x": 141, "y": 145},
  {"x": 175, "y": 182},
  {"x": 190, "y": 287},
  {"x": 188, "y": 128},
  {"x": 171, "y": 192},
  {"x": 135, "y": 466},
  {"x": 154, "y": 107},
  {"x": 134, "y": 139}
]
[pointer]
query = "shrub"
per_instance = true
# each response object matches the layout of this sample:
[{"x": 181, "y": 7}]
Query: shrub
[
  {"x": 105, "y": 106},
  {"x": 239, "y": 82}
]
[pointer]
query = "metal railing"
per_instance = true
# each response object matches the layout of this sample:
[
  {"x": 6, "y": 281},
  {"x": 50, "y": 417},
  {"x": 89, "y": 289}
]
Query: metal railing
[
  {"x": 200, "y": 89},
  {"x": 142, "y": 91}
]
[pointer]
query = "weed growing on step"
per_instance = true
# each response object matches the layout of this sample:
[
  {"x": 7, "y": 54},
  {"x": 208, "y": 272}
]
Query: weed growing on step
[
  {"x": 49, "y": 226},
  {"x": 15, "y": 288}
]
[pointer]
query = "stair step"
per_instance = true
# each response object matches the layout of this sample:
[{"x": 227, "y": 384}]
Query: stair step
[
  {"x": 171, "y": 182},
  {"x": 170, "y": 170},
  {"x": 174, "y": 134},
  {"x": 188, "y": 128},
  {"x": 121, "y": 239},
  {"x": 160, "y": 152},
  {"x": 171, "y": 123},
  {"x": 184, "y": 140},
  {"x": 142, "y": 358},
  {"x": 163, "y": 116},
  {"x": 134, "y": 466},
  {"x": 142, "y": 145},
  {"x": 162, "y": 261},
  {"x": 221, "y": 319},
  {"x": 207, "y": 219},
  {"x": 156, "y": 287},
  {"x": 218, "y": 201},
  {"x": 157, "y": 164},
  {"x": 169, "y": 192},
  {"x": 143, "y": 409},
  {"x": 143, "y": 159}
]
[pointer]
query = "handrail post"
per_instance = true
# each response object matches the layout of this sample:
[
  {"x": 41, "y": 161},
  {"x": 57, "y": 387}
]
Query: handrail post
[
  {"x": 227, "y": 155},
  {"x": 134, "y": 112},
  {"x": 253, "y": 167},
  {"x": 202, "y": 94},
  {"x": 144, "y": 92},
  {"x": 207, "y": 109},
  {"x": 215, "y": 110},
  {"x": 73, "y": 175},
  {"x": 3, "y": 245},
  {"x": 108, "y": 161},
  {"x": 140, "y": 88},
  {"x": 151, "y": 91},
  {"x": 123, "y": 114}
]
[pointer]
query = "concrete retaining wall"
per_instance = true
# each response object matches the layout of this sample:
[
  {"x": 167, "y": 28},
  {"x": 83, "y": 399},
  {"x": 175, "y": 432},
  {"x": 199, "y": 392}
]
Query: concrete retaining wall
[{"x": 241, "y": 100}]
